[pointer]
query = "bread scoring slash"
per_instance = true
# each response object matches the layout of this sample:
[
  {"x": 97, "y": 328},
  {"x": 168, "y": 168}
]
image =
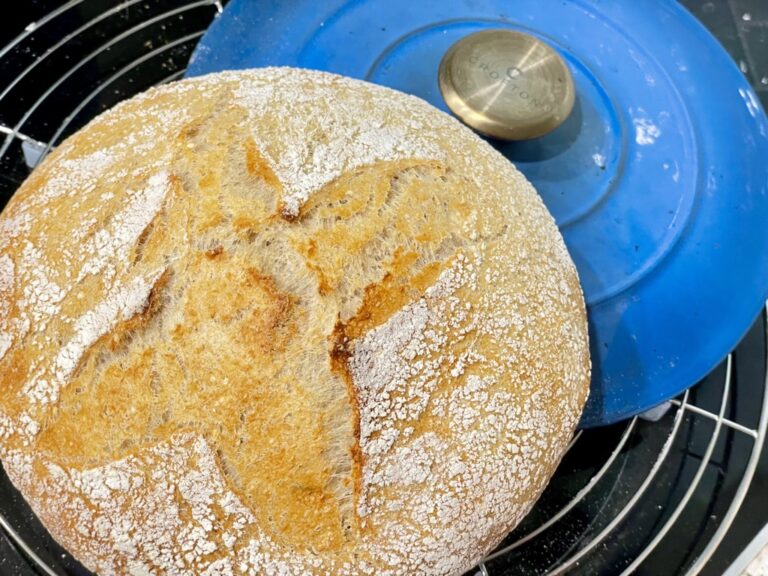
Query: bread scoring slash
[{"x": 283, "y": 322}]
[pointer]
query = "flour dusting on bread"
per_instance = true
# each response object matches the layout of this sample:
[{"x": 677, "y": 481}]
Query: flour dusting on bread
[
  {"x": 279, "y": 321},
  {"x": 325, "y": 137}
]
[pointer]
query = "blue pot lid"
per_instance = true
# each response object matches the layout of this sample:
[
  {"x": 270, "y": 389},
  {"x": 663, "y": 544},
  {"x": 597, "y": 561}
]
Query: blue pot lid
[{"x": 658, "y": 180}]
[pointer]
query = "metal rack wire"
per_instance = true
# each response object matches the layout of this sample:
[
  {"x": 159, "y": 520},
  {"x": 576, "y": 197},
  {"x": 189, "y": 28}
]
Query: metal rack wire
[
  {"x": 86, "y": 55},
  {"x": 16, "y": 129}
]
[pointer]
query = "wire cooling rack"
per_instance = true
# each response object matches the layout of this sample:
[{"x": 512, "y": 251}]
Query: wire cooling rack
[{"x": 642, "y": 496}]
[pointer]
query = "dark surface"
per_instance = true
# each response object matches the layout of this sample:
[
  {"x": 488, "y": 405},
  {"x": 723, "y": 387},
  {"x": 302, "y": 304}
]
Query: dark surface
[
  {"x": 11, "y": 562},
  {"x": 747, "y": 42},
  {"x": 741, "y": 26}
]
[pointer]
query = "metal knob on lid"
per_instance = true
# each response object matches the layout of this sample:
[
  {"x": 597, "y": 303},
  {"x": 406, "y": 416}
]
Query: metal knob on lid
[{"x": 507, "y": 84}]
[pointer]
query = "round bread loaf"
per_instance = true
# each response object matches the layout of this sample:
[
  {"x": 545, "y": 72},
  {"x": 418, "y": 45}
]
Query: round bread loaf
[{"x": 283, "y": 322}]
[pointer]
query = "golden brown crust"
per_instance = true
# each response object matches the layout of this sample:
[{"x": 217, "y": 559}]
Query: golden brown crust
[{"x": 281, "y": 321}]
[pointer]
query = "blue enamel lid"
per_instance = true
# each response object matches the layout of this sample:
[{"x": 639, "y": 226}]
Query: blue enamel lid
[{"x": 658, "y": 180}]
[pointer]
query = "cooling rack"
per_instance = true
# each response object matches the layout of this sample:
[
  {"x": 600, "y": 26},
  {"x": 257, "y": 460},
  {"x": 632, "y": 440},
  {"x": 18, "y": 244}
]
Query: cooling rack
[{"x": 653, "y": 495}]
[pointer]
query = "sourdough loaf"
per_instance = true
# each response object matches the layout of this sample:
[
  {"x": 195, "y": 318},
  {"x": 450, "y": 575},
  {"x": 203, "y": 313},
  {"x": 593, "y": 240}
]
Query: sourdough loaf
[{"x": 283, "y": 322}]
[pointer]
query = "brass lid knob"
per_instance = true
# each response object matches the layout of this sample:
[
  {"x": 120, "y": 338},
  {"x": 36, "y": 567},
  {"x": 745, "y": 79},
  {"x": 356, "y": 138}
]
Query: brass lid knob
[{"x": 506, "y": 84}]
